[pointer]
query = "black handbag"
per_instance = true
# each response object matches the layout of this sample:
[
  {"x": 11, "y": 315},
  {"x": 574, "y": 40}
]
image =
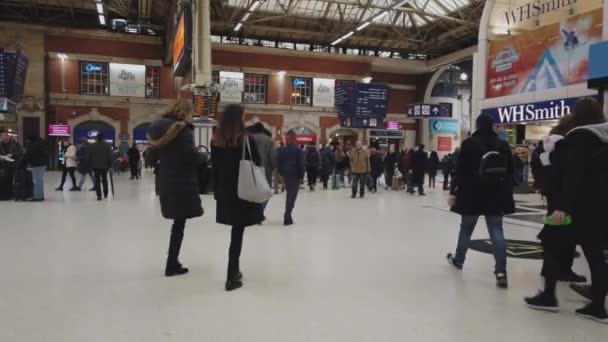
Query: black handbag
[{"x": 204, "y": 172}]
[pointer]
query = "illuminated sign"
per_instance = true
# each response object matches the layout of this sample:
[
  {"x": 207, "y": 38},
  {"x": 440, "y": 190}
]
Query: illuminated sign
[
  {"x": 182, "y": 42},
  {"x": 536, "y": 111},
  {"x": 443, "y": 126},
  {"x": 59, "y": 130},
  {"x": 391, "y": 124},
  {"x": 298, "y": 82},
  {"x": 93, "y": 68}
]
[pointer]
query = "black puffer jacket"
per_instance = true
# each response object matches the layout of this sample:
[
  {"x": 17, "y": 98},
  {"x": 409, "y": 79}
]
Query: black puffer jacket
[
  {"x": 472, "y": 197},
  {"x": 177, "y": 175}
]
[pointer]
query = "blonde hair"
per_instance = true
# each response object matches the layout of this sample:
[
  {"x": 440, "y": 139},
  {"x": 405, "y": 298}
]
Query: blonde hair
[{"x": 180, "y": 110}]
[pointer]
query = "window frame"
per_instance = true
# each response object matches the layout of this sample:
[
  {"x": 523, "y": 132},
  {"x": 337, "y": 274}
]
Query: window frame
[
  {"x": 156, "y": 81},
  {"x": 308, "y": 92},
  {"x": 81, "y": 73},
  {"x": 255, "y": 86}
]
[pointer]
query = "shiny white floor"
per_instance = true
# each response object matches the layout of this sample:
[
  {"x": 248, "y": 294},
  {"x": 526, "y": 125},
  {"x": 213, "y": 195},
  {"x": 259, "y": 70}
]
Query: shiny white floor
[{"x": 372, "y": 269}]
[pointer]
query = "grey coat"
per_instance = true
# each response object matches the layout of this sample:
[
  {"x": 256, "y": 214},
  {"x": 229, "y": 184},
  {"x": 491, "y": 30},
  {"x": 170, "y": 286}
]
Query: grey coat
[{"x": 267, "y": 152}]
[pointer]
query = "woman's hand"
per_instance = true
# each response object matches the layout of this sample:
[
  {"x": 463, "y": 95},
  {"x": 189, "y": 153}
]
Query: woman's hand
[
  {"x": 452, "y": 200},
  {"x": 558, "y": 216}
]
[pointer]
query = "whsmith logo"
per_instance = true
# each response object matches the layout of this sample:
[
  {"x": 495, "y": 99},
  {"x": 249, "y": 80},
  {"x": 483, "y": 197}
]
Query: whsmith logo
[
  {"x": 529, "y": 112},
  {"x": 126, "y": 76},
  {"x": 535, "y": 9}
]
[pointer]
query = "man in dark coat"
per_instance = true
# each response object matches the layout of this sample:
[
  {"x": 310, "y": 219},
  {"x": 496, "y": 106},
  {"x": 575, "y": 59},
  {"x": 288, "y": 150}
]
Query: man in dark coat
[
  {"x": 419, "y": 161},
  {"x": 36, "y": 156},
  {"x": 291, "y": 168},
  {"x": 377, "y": 167},
  {"x": 10, "y": 149},
  {"x": 328, "y": 164},
  {"x": 471, "y": 197},
  {"x": 389, "y": 166},
  {"x": 84, "y": 164},
  {"x": 134, "y": 158},
  {"x": 101, "y": 161}
]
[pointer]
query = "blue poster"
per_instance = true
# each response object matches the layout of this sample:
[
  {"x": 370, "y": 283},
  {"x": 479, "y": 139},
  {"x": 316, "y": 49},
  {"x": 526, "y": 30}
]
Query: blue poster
[
  {"x": 443, "y": 126},
  {"x": 91, "y": 134}
]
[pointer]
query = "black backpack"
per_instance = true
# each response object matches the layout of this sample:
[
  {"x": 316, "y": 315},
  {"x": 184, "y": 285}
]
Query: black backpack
[
  {"x": 540, "y": 172},
  {"x": 494, "y": 165},
  {"x": 312, "y": 157}
]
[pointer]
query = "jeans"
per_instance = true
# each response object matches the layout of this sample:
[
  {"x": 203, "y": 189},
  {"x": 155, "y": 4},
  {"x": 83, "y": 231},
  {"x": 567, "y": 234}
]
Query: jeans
[
  {"x": 101, "y": 178},
  {"x": 495, "y": 231},
  {"x": 83, "y": 177},
  {"x": 361, "y": 180},
  {"x": 292, "y": 186},
  {"x": 38, "y": 179}
]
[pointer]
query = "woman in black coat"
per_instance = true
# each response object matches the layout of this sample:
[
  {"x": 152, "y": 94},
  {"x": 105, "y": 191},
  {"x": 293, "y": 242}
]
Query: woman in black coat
[
  {"x": 226, "y": 154},
  {"x": 178, "y": 188},
  {"x": 419, "y": 160},
  {"x": 432, "y": 168}
]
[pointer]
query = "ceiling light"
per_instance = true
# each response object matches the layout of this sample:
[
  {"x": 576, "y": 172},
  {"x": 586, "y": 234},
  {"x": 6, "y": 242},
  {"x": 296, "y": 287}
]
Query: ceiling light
[
  {"x": 245, "y": 17},
  {"x": 62, "y": 56},
  {"x": 102, "y": 20},
  {"x": 238, "y": 27},
  {"x": 281, "y": 73},
  {"x": 362, "y": 26},
  {"x": 347, "y": 35},
  {"x": 99, "y": 8},
  {"x": 255, "y": 5},
  {"x": 380, "y": 16},
  {"x": 337, "y": 41},
  {"x": 367, "y": 79},
  {"x": 464, "y": 76}
]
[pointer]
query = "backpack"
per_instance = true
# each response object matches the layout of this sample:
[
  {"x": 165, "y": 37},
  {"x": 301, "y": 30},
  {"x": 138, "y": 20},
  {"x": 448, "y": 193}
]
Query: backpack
[
  {"x": 540, "y": 172},
  {"x": 494, "y": 165},
  {"x": 312, "y": 157}
]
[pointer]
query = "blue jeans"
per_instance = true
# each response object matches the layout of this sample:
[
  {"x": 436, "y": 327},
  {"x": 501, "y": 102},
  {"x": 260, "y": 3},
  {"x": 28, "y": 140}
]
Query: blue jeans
[
  {"x": 360, "y": 180},
  {"x": 495, "y": 231},
  {"x": 38, "y": 180}
]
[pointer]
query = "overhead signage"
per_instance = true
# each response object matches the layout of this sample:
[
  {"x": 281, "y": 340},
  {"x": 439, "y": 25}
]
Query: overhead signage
[
  {"x": 127, "y": 80},
  {"x": 182, "y": 42},
  {"x": 8, "y": 110},
  {"x": 443, "y": 126},
  {"x": 231, "y": 86},
  {"x": 392, "y": 124},
  {"x": 424, "y": 111},
  {"x": 387, "y": 133},
  {"x": 59, "y": 130},
  {"x": 371, "y": 99},
  {"x": 323, "y": 94},
  {"x": 444, "y": 144},
  {"x": 548, "y": 57},
  {"x": 345, "y": 100},
  {"x": 536, "y": 111},
  {"x": 93, "y": 67},
  {"x": 13, "y": 72},
  {"x": 205, "y": 106},
  {"x": 362, "y": 122}
]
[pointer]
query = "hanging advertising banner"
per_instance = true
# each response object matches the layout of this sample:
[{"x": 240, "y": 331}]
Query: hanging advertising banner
[
  {"x": 182, "y": 42},
  {"x": 127, "y": 80},
  {"x": 550, "y": 57},
  {"x": 323, "y": 94},
  {"x": 60, "y": 130},
  {"x": 444, "y": 144},
  {"x": 443, "y": 126},
  {"x": 231, "y": 86}
]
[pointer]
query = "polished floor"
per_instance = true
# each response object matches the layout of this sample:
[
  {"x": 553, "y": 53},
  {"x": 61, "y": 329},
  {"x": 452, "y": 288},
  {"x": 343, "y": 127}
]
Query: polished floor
[{"x": 372, "y": 269}]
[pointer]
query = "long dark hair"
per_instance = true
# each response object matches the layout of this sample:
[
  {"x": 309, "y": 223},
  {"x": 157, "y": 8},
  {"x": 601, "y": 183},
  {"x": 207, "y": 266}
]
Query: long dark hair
[
  {"x": 587, "y": 111},
  {"x": 231, "y": 129}
]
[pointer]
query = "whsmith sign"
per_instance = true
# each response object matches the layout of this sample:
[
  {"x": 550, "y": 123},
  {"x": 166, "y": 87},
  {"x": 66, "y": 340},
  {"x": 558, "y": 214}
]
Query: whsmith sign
[
  {"x": 537, "y": 111},
  {"x": 535, "y": 9}
]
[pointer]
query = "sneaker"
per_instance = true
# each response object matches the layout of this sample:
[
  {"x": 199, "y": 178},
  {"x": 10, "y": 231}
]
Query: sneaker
[
  {"x": 589, "y": 313},
  {"x": 582, "y": 290},
  {"x": 501, "y": 281},
  {"x": 543, "y": 302},
  {"x": 572, "y": 277},
  {"x": 453, "y": 262}
]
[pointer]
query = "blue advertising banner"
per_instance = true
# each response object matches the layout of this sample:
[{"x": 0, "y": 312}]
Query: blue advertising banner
[
  {"x": 443, "y": 126},
  {"x": 536, "y": 111},
  {"x": 362, "y": 122},
  {"x": 91, "y": 134},
  {"x": 424, "y": 111}
]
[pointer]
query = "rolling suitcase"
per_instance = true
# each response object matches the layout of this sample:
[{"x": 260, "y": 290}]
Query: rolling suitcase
[{"x": 23, "y": 186}]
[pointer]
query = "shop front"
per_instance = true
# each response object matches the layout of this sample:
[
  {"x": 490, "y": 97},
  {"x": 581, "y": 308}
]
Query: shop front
[
  {"x": 89, "y": 130},
  {"x": 383, "y": 139},
  {"x": 140, "y": 134}
]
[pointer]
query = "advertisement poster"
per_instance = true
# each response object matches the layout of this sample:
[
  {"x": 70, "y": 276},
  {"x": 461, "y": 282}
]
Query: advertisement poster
[
  {"x": 444, "y": 144},
  {"x": 231, "y": 86},
  {"x": 127, "y": 80},
  {"x": 59, "y": 130},
  {"x": 323, "y": 92},
  {"x": 550, "y": 57}
]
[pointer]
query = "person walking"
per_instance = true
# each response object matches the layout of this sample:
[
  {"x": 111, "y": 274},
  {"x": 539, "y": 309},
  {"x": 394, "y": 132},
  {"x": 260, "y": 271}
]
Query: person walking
[
  {"x": 483, "y": 186},
  {"x": 328, "y": 165},
  {"x": 419, "y": 164},
  {"x": 100, "y": 153},
  {"x": 226, "y": 154},
  {"x": 390, "y": 161},
  {"x": 278, "y": 180},
  {"x": 134, "y": 158},
  {"x": 580, "y": 165},
  {"x": 360, "y": 168},
  {"x": 447, "y": 165},
  {"x": 405, "y": 167},
  {"x": 69, "y": 166},
  {"x": 9, "y": 150},
  {"x": 291, "y": 169},
  {"x": 172, "y": 137},
  {"x": 36, "y": 156},
  {"x": 341, "y": 165},
  {"x": 84, "y": 164},
  {"x": 266, "y": 151},
  {"x": 376, "y": 167},
  {"x": 313, "y": 164},
  {"x": 432, "y": 168}
]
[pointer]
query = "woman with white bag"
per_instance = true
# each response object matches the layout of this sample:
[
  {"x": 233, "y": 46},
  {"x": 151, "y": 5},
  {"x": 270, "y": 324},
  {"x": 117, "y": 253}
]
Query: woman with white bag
[{"x": 239, "y": 185}]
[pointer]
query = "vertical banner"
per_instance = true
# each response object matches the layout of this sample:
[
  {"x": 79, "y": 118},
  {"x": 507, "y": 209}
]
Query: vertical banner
[
  {"x": 549, "y": 57},
  {"x": 127, "y": 80},
  {"x": 231, "y": 87},
  {"x": 323, "y": 92},
  {"x": 444, "y": 144}
]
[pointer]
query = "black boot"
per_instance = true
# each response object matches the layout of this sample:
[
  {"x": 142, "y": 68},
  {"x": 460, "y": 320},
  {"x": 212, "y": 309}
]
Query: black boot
[
  {"x": 287, "y": 220},
  {"x": 174, "y": 267},
  {"x": 233, "y": 281}
]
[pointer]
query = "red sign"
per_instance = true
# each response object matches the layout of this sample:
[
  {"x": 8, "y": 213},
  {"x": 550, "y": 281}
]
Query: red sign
[
  {"x": 59, "y": 130},
  {"x": 305, "y": 139},
  {"x": 444, "y": 144},
  {"x": 393, "y": 125}
]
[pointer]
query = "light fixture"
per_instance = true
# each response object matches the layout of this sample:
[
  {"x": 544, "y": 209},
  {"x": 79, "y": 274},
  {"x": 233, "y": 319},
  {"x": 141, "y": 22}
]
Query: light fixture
[
  {"x": 99, "y": 8},
  {"x": 337, "y": 41},
  {"x": 380, "y": 16},
  {"x": 238, "y": 27},
  {"x": 464, "y": 76},
  {"x": 346, "y": 36},
  {"x": 281, "y": 73},
  {"x": 62, "y": 56},
  {"x": 251, "y": 9},
  {"x": 255, "y": 5},
  {"x": 102, "y": 19},
  {"x": 367, "y": 79},
  {"x": 362, "y": 26},
  {"x": 246, "y": 17}
]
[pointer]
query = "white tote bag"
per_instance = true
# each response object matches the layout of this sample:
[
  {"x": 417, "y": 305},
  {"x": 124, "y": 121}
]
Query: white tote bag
[{"x": 252, "y": 186}]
